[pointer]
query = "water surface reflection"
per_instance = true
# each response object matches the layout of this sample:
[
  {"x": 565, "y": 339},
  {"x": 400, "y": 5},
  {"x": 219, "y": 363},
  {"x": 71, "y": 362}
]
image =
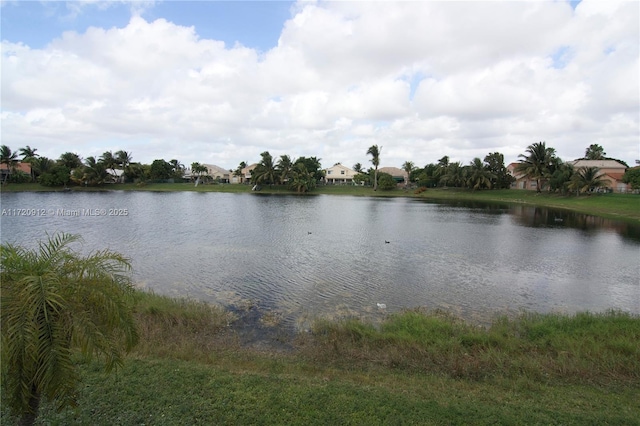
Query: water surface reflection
[{"x": 311, "y": 256}]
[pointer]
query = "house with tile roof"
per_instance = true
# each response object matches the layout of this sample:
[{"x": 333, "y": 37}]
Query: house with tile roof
[
  {"x": 20, "y": 166},
  {"x": 611, "y": 170}
]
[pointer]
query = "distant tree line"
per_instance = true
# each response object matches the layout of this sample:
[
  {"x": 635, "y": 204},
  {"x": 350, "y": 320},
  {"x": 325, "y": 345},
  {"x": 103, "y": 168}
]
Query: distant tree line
[
  {"x": 301, "y": 175},
  {"x": 492, "y": 173},
  {"x": 69, "y": 168},
  {"x": 539, "y": 163}
]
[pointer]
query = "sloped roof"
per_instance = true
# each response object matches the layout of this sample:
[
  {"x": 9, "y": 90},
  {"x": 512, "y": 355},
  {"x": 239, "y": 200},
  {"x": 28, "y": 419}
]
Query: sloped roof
[
  {"x": 512, "y": 166},
  {"x": 23, "y": 167},
  {"x": 116, "y": 172},
  {"x": 393, "y": 171},
  {"x": 601, "y": 164},
  {"x": 216, "y": 170},
  {"x": 341, "y": 166}
]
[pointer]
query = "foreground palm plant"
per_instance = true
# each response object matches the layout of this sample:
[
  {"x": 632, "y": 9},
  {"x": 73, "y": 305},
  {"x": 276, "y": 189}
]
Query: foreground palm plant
[{"x": 55, "y": 303}]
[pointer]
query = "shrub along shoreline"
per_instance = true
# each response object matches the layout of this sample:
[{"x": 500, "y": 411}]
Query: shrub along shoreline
[
  {"x": 617, "y": 206},
  {"x": 417, "y": 367}
]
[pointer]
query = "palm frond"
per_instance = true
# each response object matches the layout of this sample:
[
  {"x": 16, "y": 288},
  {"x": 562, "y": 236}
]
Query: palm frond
[{"x": 52, "y": 302}]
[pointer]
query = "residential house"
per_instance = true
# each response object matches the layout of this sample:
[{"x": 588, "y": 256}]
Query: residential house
[
  {"x": 521, "y": 181},
  {"x": 20, "y": 167},
  {"x": 339, "y": 174},
  {"x": 399, "y": 175},
  {"x": 611, "y": 169},
  {"x": 117, "y": 175},
  {"x": 214, "y": 172},
  {"x": 611, "y": 172},
  {"x": 245, "y": 174},
  {"x": 218, "y": 173}
]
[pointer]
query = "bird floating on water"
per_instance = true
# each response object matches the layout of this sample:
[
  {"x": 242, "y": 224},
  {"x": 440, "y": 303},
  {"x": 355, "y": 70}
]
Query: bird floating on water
[
  {"x": 386, "y": 242},
  {"x": 308, "y": 232},
  {"x": 381, "y": 306}
]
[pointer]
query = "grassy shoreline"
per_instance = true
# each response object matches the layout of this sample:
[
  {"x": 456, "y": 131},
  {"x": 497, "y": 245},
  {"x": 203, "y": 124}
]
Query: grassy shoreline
[
  {"x": 416, "y": 368},
  {"x": 624, "y": 207}
]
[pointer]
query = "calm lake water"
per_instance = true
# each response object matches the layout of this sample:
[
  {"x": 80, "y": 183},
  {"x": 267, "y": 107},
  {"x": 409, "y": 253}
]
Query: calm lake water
[{"x": 308, "y": 256}]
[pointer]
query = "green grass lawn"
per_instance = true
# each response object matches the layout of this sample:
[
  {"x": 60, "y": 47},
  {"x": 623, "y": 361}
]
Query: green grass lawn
[
  {"x": 174, "y": 392},
  {"x": 415, "y": 368}
]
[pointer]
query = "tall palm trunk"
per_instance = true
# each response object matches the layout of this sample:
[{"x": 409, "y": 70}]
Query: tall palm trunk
[
  {"x": 374, "y": 151},
  {"x": 375, "y": 179},
  {"x": 29, "y": 417}
]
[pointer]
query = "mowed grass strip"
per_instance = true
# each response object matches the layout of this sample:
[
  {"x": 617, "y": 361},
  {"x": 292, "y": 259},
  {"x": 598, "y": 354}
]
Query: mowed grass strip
[{"x": 173, "y": 392}]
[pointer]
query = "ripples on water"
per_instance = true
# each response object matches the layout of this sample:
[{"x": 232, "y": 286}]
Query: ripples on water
[{"x": 311, "y": 256}]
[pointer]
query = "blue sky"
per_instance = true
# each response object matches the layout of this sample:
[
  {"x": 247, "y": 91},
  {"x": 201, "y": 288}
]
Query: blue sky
[
  {"x": 326, "y": 79},
  {"x": 255, "y": 24}
]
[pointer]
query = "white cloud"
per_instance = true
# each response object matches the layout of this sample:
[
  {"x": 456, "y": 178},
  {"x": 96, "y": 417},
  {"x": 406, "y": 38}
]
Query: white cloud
[{"x": 487, "y": 76}]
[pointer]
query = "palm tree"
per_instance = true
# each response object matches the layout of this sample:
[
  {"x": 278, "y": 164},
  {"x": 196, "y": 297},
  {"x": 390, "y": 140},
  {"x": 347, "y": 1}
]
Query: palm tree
[
  {"x": 313, "y": 166},
  {"x": 177, "y": 168},
  {"x": 358, "y": 168},
  {"x": 70, "y": 160},
  {"x": 284, "y": 167},
  {"x": 408, "y": 167},
  {"x": 374, "y": 151},
  {"x": 427, "y": 176},
  {"x": 536, "y": 164},
  {"x": 29, "y": 156},
  {"x": 238, "y": 171},
  {"x": 95, "y": 172},
  {"x": 479, "y": 176},
  {"x": 199, "y": 170},
  {"x": 502, "y": 178},
  {"x": 42, "y": 165},
  {"x": 265, "y": 172},
  {"x": 454, "y": 175},
  {"x": 123, "y": 159},
  {"x": 302, "y": 180},
  {"x": 441, "y": 168},
  {"x": 140, "y": 172},
  {"x": 28, "y": 153},
  {"x": 586, "y": 179},
  {"x": 55, "y": 302},
  {"x": 176, "y": 164},
  {"x": 109, "y": 161},
  {"x": 632, "y": 176},
  {"x": 595, "y": 152},
  {"x": 10, "y": 159},
  {"x": 560, "y": 179}
]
